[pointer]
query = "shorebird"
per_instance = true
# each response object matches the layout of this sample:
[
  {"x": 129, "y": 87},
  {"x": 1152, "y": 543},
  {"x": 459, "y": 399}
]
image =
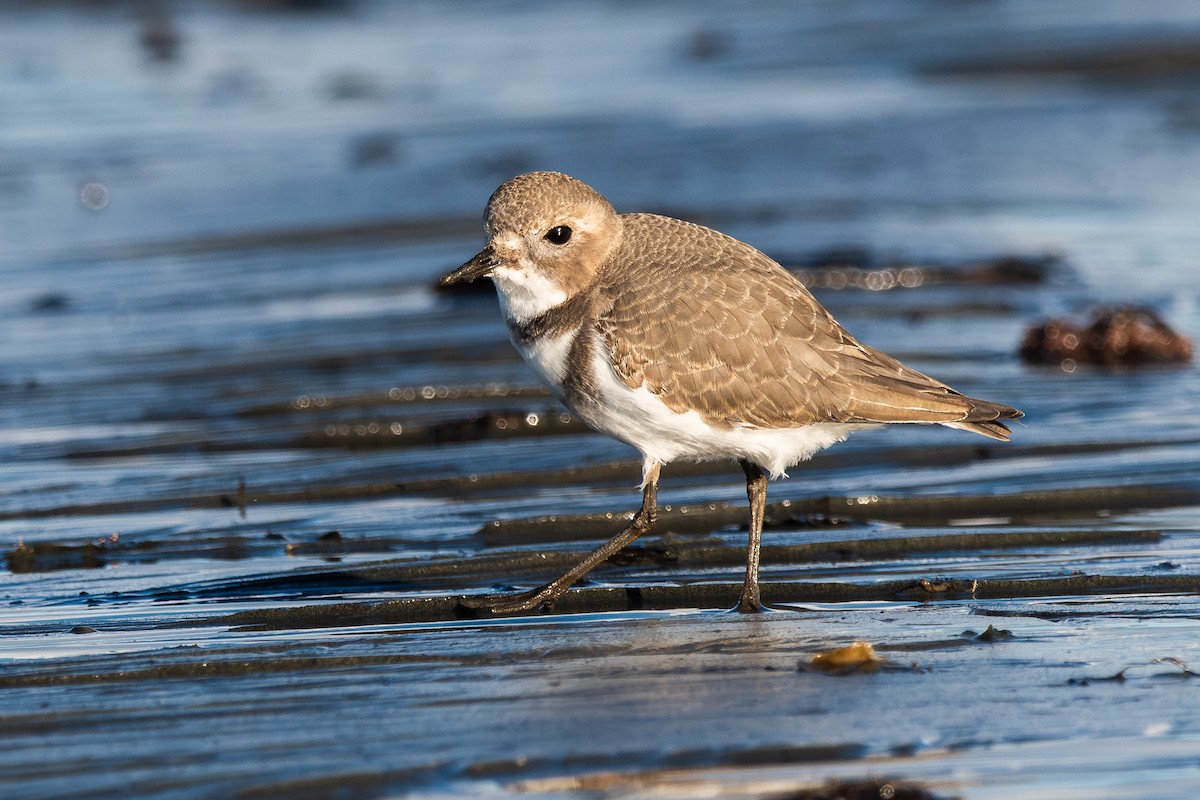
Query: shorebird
[{"x": 686, "y": 344}]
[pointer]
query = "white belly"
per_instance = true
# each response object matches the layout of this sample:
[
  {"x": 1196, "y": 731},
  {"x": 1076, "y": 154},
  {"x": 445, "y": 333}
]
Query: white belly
[{"x": 638, "y": 417}]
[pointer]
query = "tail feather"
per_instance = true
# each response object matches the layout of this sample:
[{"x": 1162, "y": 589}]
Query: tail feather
[
  {"x": 992, "y": 430},
  {"x": 983, "y": 418}
]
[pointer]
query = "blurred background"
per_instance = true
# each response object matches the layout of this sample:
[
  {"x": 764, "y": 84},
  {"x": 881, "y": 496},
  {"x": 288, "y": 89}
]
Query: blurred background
[
  {"x": 929, "y": 128},
  {"x": 223, "y": 355}
]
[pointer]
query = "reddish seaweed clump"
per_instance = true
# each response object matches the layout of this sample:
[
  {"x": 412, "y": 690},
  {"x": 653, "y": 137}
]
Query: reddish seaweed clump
[{"x": 1122, "y": 336}]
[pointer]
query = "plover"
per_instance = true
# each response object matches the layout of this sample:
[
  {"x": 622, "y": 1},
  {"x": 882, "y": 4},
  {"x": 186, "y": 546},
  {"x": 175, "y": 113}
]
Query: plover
[{"x": 686, "y": 344}]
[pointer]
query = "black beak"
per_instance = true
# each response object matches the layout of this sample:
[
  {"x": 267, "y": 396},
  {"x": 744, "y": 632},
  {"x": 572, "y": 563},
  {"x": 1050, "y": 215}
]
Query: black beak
[{"x": 478, "y": 267}]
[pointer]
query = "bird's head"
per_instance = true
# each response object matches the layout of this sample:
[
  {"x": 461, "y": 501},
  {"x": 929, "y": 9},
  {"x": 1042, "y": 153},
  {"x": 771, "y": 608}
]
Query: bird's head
[{"x": 549, "y": 236}]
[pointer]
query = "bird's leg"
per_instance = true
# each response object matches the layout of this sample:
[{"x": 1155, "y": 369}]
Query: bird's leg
[
  {"x": 756, "y": 491},
  {"x": 641, "y": 523}
]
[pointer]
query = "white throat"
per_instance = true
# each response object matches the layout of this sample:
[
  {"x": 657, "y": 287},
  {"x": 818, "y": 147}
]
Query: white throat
[{"x": 525, "y": 293}]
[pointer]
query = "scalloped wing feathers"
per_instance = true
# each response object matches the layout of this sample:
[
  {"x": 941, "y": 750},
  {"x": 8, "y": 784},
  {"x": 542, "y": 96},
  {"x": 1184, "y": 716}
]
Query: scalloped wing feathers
[{"x": 721, "y": 328}]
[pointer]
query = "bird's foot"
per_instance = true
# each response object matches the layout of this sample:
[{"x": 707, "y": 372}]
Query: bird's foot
[
  {"x": 749, "y": 603},
  {"x": 535, "y": 599}
]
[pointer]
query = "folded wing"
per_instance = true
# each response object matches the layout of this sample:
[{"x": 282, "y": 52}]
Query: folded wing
[{"x": 733, "y": 335}]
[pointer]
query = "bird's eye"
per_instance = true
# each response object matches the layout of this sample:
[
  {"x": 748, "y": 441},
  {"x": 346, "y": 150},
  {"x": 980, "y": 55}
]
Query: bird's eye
[{"x": 559, "y": 234}]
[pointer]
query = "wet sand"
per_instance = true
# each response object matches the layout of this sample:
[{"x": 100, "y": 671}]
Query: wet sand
[{"x": 252, "y": 461}]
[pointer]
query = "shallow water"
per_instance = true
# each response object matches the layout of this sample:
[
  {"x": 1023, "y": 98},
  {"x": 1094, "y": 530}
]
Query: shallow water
[{"x": 249, "y": 450}]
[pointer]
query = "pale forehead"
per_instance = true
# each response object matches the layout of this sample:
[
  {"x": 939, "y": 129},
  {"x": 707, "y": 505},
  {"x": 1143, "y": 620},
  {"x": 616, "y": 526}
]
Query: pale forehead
[{"x": 541, "y": 199}]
